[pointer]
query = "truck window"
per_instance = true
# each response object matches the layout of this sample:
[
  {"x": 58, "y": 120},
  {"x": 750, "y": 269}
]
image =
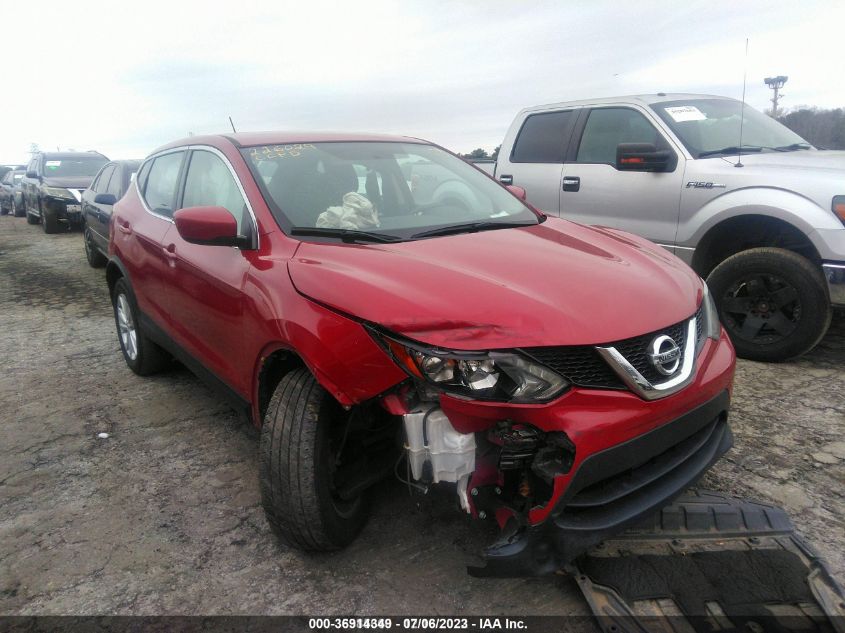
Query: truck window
[
  {"x": 607, "y": 127},
  {"x": 543, "y": 138}
]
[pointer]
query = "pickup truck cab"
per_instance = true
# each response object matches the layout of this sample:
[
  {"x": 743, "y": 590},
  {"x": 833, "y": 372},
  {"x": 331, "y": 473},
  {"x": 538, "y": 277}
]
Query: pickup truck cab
[{"x": 753, "y": 208}]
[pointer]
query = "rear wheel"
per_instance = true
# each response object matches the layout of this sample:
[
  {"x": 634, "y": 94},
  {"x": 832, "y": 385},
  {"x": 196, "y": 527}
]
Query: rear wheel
[
  {"x": 306, "y": 446},
  {"x": 772, "y": 302},
  {"x": 95, "y": 258},
  {"x": 141, "y": 355}
]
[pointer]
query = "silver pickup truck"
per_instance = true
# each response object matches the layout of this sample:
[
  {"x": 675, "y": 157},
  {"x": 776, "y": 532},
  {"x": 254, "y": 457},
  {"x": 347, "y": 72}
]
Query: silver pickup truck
[{"x": 753, "y": 208}]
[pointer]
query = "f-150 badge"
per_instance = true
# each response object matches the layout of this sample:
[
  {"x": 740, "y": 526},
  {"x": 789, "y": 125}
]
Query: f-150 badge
[{"x": 698, "y": 184}]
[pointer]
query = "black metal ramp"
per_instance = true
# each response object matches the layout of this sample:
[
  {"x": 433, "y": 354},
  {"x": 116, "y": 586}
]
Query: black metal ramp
[{"x": 707, "y": 563}]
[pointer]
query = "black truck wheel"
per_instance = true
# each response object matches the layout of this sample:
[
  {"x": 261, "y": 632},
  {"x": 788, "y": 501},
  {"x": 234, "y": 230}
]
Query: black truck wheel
[
  {"x": 142, "y": 355},
  {"x": 302, "y": 439},
  {"x": 17, "y": 211},
  {"x": 772, "y": 302},
  {"x": 95, "y": 258}
]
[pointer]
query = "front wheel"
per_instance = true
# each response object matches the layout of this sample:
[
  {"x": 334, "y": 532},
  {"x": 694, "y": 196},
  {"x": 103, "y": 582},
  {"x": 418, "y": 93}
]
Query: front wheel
[
  {"x": 301, "y": 467},
  {"x": 49, "y": 221},
  {"x": 772, "y": 302},
  {"x": 17, "y": 211}
]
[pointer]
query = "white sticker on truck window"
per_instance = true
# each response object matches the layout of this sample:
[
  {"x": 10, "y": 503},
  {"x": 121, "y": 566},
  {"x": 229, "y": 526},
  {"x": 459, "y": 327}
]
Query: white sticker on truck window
[
  {"x": 685, "y": 113},
  {"x": 53, "y": 163}
]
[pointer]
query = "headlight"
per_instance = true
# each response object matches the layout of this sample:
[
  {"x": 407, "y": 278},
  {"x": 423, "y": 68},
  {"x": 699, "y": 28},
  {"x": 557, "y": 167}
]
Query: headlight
[
  {"x": 500, "y": 376},
  {"x": 710, "y": 316},
  {"x": 58, "y": 192}
]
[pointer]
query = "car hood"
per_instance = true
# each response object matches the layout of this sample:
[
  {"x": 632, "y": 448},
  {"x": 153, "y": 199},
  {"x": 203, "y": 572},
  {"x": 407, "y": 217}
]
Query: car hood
[
  {"x": 556, "y": 283},
  {"x": 801, "y": 159},
  {"x": 73, "y": 182}
]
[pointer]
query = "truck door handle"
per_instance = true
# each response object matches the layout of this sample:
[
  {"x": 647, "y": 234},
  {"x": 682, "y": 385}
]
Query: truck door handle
[
  {"x": 124, "y": 227},
  {"x": 170, "y": 251},
  {"x": 571, "y": 183},
  {"x": 506, "y": 179}
]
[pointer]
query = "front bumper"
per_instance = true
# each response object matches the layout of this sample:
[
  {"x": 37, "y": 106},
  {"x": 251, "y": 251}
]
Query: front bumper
[
  {"x": 64, "y": 209},
  {"x": 835, "y": 276},
  {"x": 614, "y": 489}
]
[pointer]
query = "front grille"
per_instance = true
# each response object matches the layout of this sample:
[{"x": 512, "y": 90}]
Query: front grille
[{"x": 582, "y": 366}]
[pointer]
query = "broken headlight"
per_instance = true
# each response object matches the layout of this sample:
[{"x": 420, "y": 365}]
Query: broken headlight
[
  {"x": 500, "y": 376},
  {"x": 58, "y": 192}
]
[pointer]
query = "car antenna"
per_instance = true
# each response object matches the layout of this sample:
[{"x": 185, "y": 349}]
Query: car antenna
[
  {"x": 742, "y": 112},
  {"x": 233, "y": 125}
]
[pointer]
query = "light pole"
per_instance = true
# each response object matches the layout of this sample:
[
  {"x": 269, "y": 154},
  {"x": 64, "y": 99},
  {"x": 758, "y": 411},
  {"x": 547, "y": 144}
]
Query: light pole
[{"x": 775, "y": 83}]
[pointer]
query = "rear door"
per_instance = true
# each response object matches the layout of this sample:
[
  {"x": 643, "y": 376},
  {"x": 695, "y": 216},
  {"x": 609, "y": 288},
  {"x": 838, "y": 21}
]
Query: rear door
[
  {"x": 139, "y": 227},
  {"x": 535, "y": 162},
  {"x": 593, "y": 191},
  {"x": 205, "y": 291}
]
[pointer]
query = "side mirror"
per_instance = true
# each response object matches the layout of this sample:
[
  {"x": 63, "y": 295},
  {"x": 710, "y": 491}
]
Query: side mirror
[
  {"x": 32, "y": 174},
  {"x": 643, "y": 157},
  {"x": 105, "y": 198},
  {"x": 212, "y": 226},
  {"x": 519, "y": 192}
]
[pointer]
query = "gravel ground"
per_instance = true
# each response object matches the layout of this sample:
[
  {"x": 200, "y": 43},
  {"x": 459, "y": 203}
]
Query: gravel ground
[{"x": 163, "y": 517}]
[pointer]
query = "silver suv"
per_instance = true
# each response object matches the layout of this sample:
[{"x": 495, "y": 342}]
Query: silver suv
[{"x": 752, "y": 207}]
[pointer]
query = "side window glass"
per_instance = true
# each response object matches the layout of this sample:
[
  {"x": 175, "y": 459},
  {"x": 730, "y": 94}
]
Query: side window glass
[
  {"x": 163, "y": 178},
  {"x": 210, "y": 184},
  {"x": 115, "y": 186},
  {"x": 543, "y": 138},
  {"x": 607, "y": 127},
  {"x": 103, "y": 180}
]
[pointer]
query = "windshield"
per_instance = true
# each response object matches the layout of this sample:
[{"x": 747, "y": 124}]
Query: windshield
[
  {"x": 711, "y": 127},
  {"x": 392, "y": 189},
  {"x": 76, "y": 166}
]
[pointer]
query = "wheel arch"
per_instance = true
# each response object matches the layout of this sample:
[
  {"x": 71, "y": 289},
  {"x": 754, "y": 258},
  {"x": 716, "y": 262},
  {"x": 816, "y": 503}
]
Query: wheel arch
[{"x": 275, "y": 360}]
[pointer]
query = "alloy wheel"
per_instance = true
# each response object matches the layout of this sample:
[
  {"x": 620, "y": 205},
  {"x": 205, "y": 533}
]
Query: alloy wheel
[
  {"x": 126, "y": 327},
  {"x": 761, "y": 309}
]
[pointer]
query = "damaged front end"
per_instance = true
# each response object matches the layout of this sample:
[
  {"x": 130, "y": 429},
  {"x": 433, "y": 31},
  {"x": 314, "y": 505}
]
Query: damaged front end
[{"x": 559, "y": 467}]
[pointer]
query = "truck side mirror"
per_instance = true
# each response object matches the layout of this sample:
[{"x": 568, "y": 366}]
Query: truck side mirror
[{"x": 643, "y": 157}]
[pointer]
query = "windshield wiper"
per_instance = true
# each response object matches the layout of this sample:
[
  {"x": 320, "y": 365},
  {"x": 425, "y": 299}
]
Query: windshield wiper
[
  {"x": 470, "y": 227},
  {"x": 793, "y": 147},
  {"x": 733, "y": 149},
  {"x": 347, "y": 235}
]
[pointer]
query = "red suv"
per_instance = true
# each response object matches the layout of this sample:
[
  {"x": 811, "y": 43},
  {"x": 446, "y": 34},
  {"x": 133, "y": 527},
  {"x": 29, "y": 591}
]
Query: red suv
[{"x": 378, "y": 306}]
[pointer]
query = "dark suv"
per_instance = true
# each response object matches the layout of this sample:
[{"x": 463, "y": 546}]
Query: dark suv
[{"x": 53, "y": 186}]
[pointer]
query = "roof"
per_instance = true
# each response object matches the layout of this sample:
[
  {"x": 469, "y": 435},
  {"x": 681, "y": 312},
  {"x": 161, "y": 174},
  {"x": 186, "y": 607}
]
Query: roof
[
  {"x": 248, "y": 139},
  {"x": 644, "y": 100},
  {"x": 71, "y": 154}
]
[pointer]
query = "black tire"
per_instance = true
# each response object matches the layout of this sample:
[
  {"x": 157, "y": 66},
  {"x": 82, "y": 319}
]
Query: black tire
[
  {"x": 95, "y": 258},
  {"x": 49, "y": 221},
  {"x": 772, "y": 302},
  {"x": 295, "y": 468},
  {"x": 141, "y": 355},
  {"x": 17, "y": 211},
  {"x": 4, "y": 210}
]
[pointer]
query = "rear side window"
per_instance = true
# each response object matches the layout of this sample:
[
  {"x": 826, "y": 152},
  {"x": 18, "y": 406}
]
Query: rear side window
[
  {"x": 607, "y": 127},
  {"x": 543, "y": 138},
  {"x": 209, "y": 183},
  {"x": 141, "y": 178},
  {"x": 160, "y": 189}
]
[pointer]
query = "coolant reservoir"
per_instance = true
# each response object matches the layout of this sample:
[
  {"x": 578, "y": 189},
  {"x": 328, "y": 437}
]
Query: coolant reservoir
[{"x": 452, "y": 454}]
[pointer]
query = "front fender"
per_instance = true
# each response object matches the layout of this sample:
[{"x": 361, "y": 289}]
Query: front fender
[{"x": 788, "y": 206}]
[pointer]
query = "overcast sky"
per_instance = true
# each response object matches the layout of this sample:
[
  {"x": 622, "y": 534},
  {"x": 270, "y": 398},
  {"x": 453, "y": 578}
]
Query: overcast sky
[{"x": 126, "y": 78}]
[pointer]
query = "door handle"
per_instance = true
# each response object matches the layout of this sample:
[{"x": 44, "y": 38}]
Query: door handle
[
  {"x": 124, "y": 227},
  {"x": 170, "y": 251},
  {"x": 571, "y": 183},
  {"x": 506, "y": 179}
]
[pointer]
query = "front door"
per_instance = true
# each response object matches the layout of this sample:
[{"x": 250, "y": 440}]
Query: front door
[
  {"x": 593, "y": 191},
  {"x": 206, "y": 285}
]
